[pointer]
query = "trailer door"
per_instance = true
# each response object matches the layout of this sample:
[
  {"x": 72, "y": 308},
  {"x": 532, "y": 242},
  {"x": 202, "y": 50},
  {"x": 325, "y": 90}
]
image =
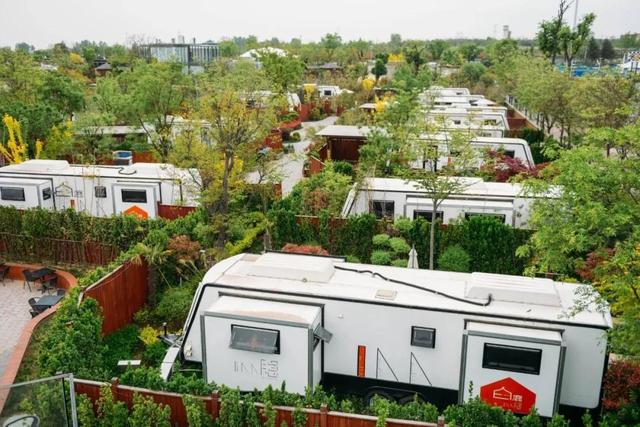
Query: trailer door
[
  {"x": 135, "y": 199},
  {"x": 513, "y": 367}
]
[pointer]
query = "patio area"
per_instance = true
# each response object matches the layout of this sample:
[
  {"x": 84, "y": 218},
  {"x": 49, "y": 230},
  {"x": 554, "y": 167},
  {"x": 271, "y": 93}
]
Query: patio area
[{"x": 14, "y": 316}]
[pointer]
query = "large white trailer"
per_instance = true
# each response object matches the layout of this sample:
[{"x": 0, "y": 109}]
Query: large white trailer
[
  {"x": 487, "y": 123},
  {"x": 259, "y": 320},
  {"x": 97, "y": 190},
  {"x": 396, "y": 198}
]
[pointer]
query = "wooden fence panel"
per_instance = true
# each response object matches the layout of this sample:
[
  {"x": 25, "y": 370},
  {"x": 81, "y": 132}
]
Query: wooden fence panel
[
  {"x": 121, "y": 294},
  {"x": 315, "y": 418}
]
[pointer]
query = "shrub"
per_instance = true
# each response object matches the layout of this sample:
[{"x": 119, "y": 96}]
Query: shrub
[
  {"x": 173, "y": 306},
  {"x": 400, "y": 262},
  {"x": 146, "y": 413},
  {"x": 345, "y": 168},
  {"x": 621, "y": 382},
  {"x": 381, "y": 240},
  {"x": 148, "y": 335},
  {"x": 154, "y": 353},
  {"x": 454, "y": 258},
  {"x": 379, "y": 257},
  {"x": 120, "y": 345},
  {"x": 295, "y": 137},
  {"x": 399, "y": 246},
  {"x": 197, "y": 415}
]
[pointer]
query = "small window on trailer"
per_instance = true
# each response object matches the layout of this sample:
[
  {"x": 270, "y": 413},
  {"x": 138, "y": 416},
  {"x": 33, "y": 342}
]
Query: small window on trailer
[
  {"x": 46, "y": 193},
  {"x": 327, "y": 92},
  {"x": 423, "y": 337},
  {"x": 501, "y": 217},
  {"x": 382, "y": 208},
  {"x": 510, "y": 153},
  {"x": 13, "y": 194},
  {"x": 100, "y": 191},
  {"x": 511, "y": 358},
  {"x": 427, "y": 215},
  {"x": 255, "y": 339},
  {"x": 134, "y": 196}
]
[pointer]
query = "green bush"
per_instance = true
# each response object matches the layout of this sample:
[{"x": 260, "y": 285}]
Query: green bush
[
  {"x": 454, "y": 258},
  {"x": 146, "y": 413},
  {"x": 173, "y": 305},
  {"x": 379, "y": 257},
  {"x": 399, "y": 246},
  {"x": 154, "y": 353},
  {"x": 381, "y": 241},
  {"x": 197, "y": 415},
  {"x": 120, "y": 345},
  {"x": 345, "y": 168},
  {"x": 400, "y": 262}
]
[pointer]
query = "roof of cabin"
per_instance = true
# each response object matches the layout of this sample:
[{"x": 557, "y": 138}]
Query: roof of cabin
[{"x": 512, "y": 296}]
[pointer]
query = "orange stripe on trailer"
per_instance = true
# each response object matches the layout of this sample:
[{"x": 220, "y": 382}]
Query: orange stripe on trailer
[{"x": 362, "y": 356}]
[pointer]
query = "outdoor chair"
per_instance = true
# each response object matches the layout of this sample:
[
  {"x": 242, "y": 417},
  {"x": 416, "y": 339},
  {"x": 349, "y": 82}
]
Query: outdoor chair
[
  {"x": 34, "y": 313},
  {"x": 4, "y": 269},
  {"x": 28, "y": 279},
  {"x": 33, "y": 301}
]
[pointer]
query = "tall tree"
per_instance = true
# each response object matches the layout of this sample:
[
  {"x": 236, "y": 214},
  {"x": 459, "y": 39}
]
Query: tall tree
[
  {"x": 435, "y": 48},
  {"x": 607, "y": 52},
  {"x": 571, "y": 41},
  {"x": 331, "y": 42},
  {"x": 239, "y": 119},
  {"x": 414, "y": 55},
  {"x": 593, "y": 50},
  {"x": 284, "y": 71},
  {"x": 549, "y": 38}
]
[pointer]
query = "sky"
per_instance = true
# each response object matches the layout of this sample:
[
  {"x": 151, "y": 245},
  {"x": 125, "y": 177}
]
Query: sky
[{"x": 44, "y": 22}]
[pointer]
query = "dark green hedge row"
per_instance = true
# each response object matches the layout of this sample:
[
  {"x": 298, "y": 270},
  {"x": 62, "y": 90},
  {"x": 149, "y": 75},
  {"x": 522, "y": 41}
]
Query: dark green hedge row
[{"x": 490, "y": 244}]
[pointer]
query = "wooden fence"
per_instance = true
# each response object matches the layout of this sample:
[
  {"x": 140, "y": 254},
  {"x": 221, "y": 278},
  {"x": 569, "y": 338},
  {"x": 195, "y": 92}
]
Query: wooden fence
[
  {"x": 16, "y": 247},
  {"x": 315, "y": 417},
  {"x": 173, "y": 211},
  {"x": 120, "y": 294}
]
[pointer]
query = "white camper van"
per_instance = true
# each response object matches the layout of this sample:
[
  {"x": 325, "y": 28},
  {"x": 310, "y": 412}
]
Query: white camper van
[
  {"x": 482, "y": 123},
  {"x": 259, "y": 320},
  {"x": 97, "y": 190},
  {"x": 396, "y": 198}
]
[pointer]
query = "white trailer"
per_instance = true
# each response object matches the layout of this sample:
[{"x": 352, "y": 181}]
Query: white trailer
[
  {"x": 97, "y": 190},
  {"x": 396, "y": 198},
  {"x": 481, "y": 123},
  {"x": 259, "y": 320}
]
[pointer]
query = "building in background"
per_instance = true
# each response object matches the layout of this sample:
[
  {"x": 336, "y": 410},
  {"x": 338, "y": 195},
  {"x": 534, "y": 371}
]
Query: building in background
[{"x": 194, "y": 56}]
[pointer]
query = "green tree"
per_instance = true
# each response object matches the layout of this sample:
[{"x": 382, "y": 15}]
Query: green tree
[
  {"x": 452, "y": 56},
  {"x": 549, "y": 35},
  {"x": 630, "y": 41},
  {"x": 593, "y": 50},
  {"x": 607, "y": 51},
  {"x": 571, "y": 41},
  {"x": 379, "y": 69},
  {"x": 469, "y": 51},
  {"x": 436, "y": 48},
  {"x": 331, "y": 42},
  {"x": 414, "y": 54},
  {"x": 63, "y": 93},
  {"x": 285, "y": 72}
]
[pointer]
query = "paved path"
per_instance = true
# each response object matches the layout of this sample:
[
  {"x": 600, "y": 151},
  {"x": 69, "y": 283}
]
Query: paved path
[
  {"x": 14, "y": 315},
  {"x": 291, "y": 164}
]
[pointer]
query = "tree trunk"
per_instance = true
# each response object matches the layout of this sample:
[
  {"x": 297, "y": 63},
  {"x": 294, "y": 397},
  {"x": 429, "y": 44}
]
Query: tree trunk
[
  {"x": 223, "y": 205},
  {"x": 432, "y": 236}
]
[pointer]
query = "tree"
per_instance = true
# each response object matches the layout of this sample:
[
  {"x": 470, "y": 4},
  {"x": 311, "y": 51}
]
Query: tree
[
  {"x": 330, "y": 42},
  {"x": 435, "y": 48},
  {"x": 284, "y": 71},
  {"x": 469, "y": 51},
  {"x": 240, "y": 119},
  {"x": 571, "y": 41},
  {"x": 439, "y": 184},
  {"x": 63, "y": 93},
  {"x": 593, "y": 50},
  {"x": 452, "y": 56},
  {"x": 15, "y": 150},
  {"x": 630, "y": 41},
  {"x": 549, "y": 38},
  {"x": 395, "y": 41},
  {"x": 379, "y": 69},
  {"x": 156, "y": 94},
  {"x": 607, "y": 51},
  {"x": 414, "y": 55}
]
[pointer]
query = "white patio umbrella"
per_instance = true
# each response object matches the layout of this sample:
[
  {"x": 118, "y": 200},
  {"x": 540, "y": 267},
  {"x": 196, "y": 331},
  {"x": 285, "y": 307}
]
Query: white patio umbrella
[{"x": 413, "y": 258}]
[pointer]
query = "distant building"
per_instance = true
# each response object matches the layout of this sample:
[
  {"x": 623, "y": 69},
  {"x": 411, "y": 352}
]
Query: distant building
[
  {"x": 631, "y": 62},
  {"x": 506, "y": 32},
  {"x": 194, "y": 56}
]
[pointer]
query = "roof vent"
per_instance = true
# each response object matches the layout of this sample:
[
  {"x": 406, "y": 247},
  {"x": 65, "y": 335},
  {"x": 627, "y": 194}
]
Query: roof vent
[
  {"x": 513, "y": 288},
  {"x": 292, "y": 267}
]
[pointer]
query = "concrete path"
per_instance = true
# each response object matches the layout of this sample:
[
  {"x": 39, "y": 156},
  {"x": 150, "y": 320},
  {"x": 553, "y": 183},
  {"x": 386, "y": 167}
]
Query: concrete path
[
  {"x": 14, "y": 315},
  {"x": 291, "y": 164}
]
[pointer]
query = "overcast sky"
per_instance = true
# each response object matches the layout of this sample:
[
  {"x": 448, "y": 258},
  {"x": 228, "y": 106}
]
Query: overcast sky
[{"x": 44, "y": 22}]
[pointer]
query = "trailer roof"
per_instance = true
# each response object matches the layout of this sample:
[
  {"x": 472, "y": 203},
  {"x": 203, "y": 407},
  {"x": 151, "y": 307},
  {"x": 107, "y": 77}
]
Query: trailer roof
[
  {"x": 62, "y": 167},
  {"x": 474, "y": 187},
  {"x": 345, "y": 131},
  {"x": 512, "y": 296}
]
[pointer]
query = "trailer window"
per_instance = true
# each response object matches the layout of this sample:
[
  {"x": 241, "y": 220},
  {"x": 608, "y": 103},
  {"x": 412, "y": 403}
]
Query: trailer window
[
  {"x": 46, "y": 193},
  {"x": 500, "y": 217},
  {"x": 382, "y": 209},
  {"x": 423, "y": 337},
  {"x": 134, "y": 196},
  {"x": 428, "y": 215},
  {"x": 510, "y": 153},
  {"x": 513, "y": 359},
  {"x": 255, "y": 339},
  {"x": 14, "y": 194},
  {"x": 100, "y": 191}
]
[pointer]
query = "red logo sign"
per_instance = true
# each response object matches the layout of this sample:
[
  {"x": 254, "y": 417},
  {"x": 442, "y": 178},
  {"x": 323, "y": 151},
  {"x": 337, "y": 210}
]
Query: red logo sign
[
  {"x": 509, "y": 394},
  {"x": 137, "y": 211}
]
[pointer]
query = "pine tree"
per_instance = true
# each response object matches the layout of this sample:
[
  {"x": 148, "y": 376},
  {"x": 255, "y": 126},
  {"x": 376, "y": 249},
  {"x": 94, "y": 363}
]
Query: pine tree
[
  {"x": 607, "y": 51},
  {"x": 593, "y": 50}
]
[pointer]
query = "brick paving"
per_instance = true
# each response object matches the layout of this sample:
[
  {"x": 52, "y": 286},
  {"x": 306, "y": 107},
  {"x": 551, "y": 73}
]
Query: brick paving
[{"x": 14, "y": 316}]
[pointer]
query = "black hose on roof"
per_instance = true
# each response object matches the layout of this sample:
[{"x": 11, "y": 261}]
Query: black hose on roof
[{"x": 411, "y": 285}]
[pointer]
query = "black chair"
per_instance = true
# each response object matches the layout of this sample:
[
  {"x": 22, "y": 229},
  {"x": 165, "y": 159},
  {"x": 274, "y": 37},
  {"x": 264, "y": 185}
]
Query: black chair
[
  {"x": 4, "y": 269},
  {"x": 28, "y": 279},
  {"x": 33, "y": 301},
  {"x": 34, "y": 313}
]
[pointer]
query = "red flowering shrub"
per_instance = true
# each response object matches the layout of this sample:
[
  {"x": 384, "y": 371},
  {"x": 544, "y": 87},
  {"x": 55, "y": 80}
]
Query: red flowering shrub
[
  {"x": 622, "y": 379},
  {"x": 501, "y": 168},
  {"x": 593, "y": 261},
  {"x": 304, "y": 249}
]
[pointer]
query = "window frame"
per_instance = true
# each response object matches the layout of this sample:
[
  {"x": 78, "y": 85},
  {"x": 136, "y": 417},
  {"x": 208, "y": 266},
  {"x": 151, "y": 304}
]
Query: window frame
[
  {"x": 415, "y": 343},
  {"x": 12, "y": 199},
  {"x": 135, "y": 200},
  {"x": 383, "y": 211},
  {"x": 502, "y": 348},
  {"x": 439, "y": 214},
  {"x": 47, "y": 193},
  {"x": 235, "y": 346},
  {"x": 103, "y": 190}
]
